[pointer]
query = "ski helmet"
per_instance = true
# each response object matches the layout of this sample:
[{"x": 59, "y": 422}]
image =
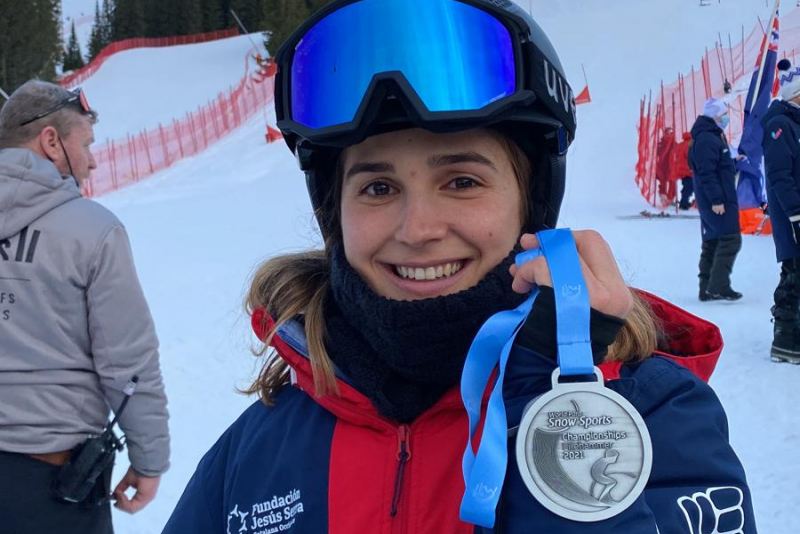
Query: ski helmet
[{"x": 362, "y": 67}]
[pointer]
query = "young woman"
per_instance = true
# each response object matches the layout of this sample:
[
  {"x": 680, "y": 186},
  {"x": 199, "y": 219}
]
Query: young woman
[{"x": 433, "y": 135}]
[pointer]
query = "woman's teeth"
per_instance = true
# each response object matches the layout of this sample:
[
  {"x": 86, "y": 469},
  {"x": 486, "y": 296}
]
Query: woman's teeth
[{"x": 429, "y": 273}]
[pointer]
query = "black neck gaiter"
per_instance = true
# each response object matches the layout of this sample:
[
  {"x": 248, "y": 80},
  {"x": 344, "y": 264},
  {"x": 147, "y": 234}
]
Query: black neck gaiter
[{"x": 404, "y": 355}]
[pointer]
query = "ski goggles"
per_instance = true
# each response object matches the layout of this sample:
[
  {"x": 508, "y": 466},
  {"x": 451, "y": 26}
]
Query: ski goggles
[
  {"x": 452, "y": 60},
  {"x": 77, "y": 96}
]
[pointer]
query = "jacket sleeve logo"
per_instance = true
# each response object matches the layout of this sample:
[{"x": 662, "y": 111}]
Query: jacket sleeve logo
[{"x": 714, "y": 511}]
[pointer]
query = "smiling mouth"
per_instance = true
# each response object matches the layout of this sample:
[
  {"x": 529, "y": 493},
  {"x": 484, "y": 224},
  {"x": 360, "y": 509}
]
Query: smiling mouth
[{"x": 435, "y": 272}]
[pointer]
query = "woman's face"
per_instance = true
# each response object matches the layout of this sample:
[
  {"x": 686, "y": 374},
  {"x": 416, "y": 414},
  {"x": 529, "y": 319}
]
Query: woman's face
[{"x": 426, "y": 215}]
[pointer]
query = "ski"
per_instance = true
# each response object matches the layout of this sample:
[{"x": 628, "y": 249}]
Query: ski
[{"x": 645, "y": 214}]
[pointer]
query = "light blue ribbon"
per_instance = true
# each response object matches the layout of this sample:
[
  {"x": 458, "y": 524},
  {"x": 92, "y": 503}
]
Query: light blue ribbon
[{"x": 485, "y": 472}]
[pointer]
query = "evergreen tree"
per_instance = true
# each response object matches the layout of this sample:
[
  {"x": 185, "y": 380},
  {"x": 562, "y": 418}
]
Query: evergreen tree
[
  {"x": 102, "y": 31},
  {"x": 48, "y": 44},
  {"x": 107, "y": 21},
  {"x": 160, "y": 18},
  {"x": 251, "y": 13},
  {"x": 282, "y": 17},
  {"x": 30, "y": 41},
  {"x": 97, "y": 38},
  {"x": 73, "y": 59},
  {"x": 315, "y": 5},
  {"x": 176, "y": 17},
  {"x": 127, "y": 20},
  {"x": 227, "y": 19},
  {"x": 213, "y": 15}
]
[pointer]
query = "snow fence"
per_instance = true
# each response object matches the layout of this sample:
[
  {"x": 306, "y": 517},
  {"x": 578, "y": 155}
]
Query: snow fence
[
  {"x": 122, "y": 162},
  {"x": 678, "y": 104}
]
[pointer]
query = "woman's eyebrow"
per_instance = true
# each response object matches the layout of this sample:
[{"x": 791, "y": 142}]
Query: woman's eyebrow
[
  {"x": 369, "y": 166},
  {"x": 441, "y": 160}
]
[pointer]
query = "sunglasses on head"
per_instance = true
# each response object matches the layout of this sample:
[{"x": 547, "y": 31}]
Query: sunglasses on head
[{"x": 77, "y": 96}]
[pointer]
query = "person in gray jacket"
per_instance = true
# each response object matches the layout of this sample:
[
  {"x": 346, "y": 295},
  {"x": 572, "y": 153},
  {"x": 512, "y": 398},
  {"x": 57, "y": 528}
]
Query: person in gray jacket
[{"x": 74, "y": 323}]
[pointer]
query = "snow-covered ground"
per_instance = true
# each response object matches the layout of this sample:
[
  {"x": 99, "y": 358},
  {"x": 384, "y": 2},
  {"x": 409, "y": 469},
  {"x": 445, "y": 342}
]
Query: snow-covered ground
[
  {"x": 142, "y": 88},
  {"x": 200, "y": 228},
  {"x": 138, "y": 89}
]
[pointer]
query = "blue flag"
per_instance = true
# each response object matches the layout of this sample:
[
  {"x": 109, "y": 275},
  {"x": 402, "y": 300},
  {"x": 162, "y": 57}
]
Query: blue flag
[{"x": 750, "y": 189}]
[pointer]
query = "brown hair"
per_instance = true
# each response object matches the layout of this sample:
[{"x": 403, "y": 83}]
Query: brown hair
[{"x": 296, "y": 284}]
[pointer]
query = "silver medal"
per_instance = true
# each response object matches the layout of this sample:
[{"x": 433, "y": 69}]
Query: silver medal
[{"x": 583, "y": 450}]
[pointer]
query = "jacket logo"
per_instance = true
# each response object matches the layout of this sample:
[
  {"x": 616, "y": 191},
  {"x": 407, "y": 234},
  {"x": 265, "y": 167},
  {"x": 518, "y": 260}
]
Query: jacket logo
[
  {"x": 777, "y": 133},
  {"x": 241, "y": 517},
  {"x": 719, "y": 509},
  {"x": 277, "y": 514},
  {"x": 24, "y": 250}
]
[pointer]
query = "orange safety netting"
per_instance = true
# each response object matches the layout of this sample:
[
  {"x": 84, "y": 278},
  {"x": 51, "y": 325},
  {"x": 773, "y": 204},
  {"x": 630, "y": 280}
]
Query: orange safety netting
[
  {"x": 128, "y": 160},
  {"x": 85, "y": 72},
  {"x": 678, "y": 104}
]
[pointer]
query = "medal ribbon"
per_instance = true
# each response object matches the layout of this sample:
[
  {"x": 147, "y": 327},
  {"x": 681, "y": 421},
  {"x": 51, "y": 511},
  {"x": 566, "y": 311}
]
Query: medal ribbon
[{"x": 485, "y": 472}]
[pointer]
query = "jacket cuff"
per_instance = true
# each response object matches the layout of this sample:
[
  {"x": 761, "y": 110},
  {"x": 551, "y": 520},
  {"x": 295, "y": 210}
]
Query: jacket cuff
[{"x": 538, "y": 333}]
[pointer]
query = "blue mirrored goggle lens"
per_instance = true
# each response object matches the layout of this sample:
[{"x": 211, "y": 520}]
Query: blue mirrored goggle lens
[{"x": 455, "y": 56}]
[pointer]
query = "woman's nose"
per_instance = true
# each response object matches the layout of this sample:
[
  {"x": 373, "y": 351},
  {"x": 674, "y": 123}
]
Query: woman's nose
[{"x": 422, "y": 220}]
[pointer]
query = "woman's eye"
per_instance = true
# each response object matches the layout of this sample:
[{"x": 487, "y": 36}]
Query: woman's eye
[
  {"x": 462, "y": 182},
  {"x": 377, "y": 189}
]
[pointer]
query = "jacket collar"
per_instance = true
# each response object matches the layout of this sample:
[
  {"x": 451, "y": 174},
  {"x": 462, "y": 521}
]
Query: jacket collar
[
  {"x": 781, "y": 107},
  {"x": 689, "y": 340},
  {"x": 705, "y": 124},
  {"x": 349, "y": 404}
]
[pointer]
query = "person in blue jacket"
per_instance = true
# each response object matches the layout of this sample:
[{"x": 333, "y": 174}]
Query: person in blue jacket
[
  {"x": 715, "y": 192},
  {"x": 782, "y": 161},
  {"x": 428, "y": 174}
]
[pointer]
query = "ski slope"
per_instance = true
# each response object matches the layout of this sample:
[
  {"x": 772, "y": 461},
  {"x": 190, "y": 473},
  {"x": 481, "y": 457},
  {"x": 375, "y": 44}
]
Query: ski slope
[
  {"x": 200, "y": 228},
  {"x": 141, "y": 88}
]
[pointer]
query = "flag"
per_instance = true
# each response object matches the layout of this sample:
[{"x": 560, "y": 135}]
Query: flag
[
  {"x": 584, "y": 97},
  {"x": 750, "y": 189}
]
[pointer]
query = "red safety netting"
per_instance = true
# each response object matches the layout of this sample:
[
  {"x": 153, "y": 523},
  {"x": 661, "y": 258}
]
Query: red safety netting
[
  {"x": 678, "y": 104},
  {"x": 83, "y": 73},
  {"x": 128, "y": 160}
]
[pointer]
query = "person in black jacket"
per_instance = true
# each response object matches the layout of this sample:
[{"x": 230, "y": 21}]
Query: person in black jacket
[
  {"x": 782, "y": 160},
  {"x": 715, "y": 191}
]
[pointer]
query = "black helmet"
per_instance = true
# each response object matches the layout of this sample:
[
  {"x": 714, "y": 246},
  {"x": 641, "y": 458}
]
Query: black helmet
[{"x": 538, "y": 113}]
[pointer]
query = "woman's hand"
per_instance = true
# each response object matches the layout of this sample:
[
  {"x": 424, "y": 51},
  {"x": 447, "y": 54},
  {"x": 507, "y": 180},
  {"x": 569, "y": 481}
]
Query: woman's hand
[{"x": 608, "y": 292}]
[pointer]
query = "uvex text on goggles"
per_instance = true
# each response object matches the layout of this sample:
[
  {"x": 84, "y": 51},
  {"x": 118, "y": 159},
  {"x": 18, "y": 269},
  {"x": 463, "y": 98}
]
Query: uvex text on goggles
[{"x": 77, "y": 96}]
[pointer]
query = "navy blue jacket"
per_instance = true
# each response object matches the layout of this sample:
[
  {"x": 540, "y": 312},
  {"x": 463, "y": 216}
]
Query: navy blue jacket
[
  {"x": 782, "y": 160},
  {"x": 714, "y": 179},
  {"x": 331, "y": 464}
]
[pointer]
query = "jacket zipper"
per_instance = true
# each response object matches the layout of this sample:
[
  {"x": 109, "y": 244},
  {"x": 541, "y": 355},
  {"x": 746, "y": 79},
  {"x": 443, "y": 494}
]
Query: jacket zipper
[{"x": 403, "y": 457}]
